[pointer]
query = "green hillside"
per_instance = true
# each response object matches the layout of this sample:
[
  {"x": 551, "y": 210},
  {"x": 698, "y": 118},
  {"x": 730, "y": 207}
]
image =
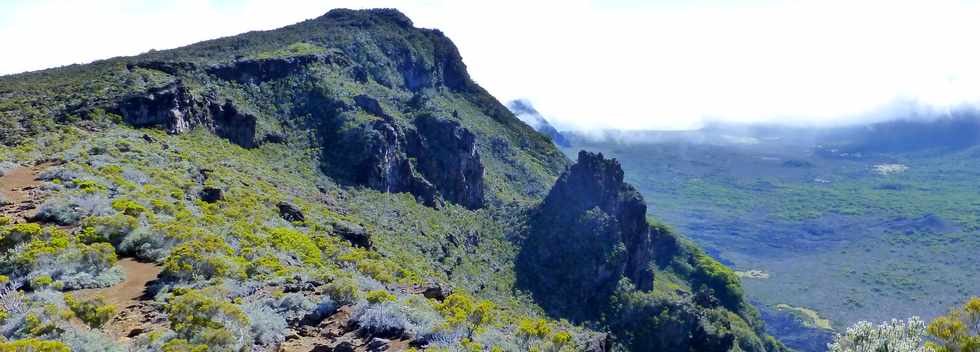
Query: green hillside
[{"x": 338, "y": 184}]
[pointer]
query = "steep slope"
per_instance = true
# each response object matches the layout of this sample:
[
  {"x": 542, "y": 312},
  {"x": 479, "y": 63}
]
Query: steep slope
[{"x": 341, "y": 182}]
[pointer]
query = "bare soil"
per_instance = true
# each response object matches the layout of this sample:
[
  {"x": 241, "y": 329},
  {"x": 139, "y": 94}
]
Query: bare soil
[
  {"x": 20, "y": 188},
  {"x": 131, "y": 289},
  {"x": 136, "y": 315}
]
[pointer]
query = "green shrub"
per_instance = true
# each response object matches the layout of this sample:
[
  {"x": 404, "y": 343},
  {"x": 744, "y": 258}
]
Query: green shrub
[
  {"x": 12, "y": 235},
  {"x": 343, "y": 290},
  {"x": 87, "y": 185},
  {"x": 957, "y": 331},
  {"x": 206, "y": 258},
  {"x": 33, "y": 345},
  {"x": 199, "y": 318},
  {"x": 41, "y": 281},
  {"x": 94, "y": 312},
  {"x": 380, "y": 296},
  {"x": 128, "y": 207},
  {"x": 461, "y": 310},
  {"x": 719, "y": 278},
  {"x": 296, "y": 242}
]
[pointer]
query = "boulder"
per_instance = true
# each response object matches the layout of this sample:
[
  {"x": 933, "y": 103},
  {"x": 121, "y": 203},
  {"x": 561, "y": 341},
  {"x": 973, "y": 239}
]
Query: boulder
[
  {"x": 211, "y": 194},
  {"x": 344, "y": 347},
  {"x": 353, "y": 233},
  {"x": 378, "y": 344},
  {"x": 436, "y": 291},
  {"x": 290, "y": 212}
]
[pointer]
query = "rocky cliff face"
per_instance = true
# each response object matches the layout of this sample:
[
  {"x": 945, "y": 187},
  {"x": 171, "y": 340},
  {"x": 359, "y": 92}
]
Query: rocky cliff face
[
  {"x": 177, "y": 110},
  {"x": 435, "y": 159},
  {"x": 587, "y": 235}
]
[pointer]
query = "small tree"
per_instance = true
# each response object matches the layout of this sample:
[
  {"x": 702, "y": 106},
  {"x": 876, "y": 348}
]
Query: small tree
[
  {"x": 461, "y": 310},
  {"x": 958, "y": 331},
  {"x": 889, "y": 336}
]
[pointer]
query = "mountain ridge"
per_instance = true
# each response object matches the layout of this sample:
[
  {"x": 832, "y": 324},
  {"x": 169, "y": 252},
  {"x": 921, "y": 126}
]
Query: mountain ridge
[{"x": 347, "y": 160}]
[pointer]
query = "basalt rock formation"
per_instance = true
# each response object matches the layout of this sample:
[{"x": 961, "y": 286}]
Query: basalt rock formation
[
  {"x": 588, "y": 234},
  {"x": 177, "y": 110}
]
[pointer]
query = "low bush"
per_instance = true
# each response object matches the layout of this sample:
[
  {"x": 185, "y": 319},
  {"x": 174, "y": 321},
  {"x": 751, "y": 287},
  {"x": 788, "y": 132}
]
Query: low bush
[
  {"x": 33, "y": 345},
  {"x": 53, "y": 255},
  {"x": 343, "y": 290},
  {"x": 73, "y": 209},
  {"x": 13, "y": 235},
  {"x": 380, "y": 296},
  {"x": 89, "y": 340},
  {"x": 296, "y": 243},
  {"x": 893, "y": 336},
  {"x": 58, "y": 174},
  {"x": 93, "y": 312},
  {"x": 148, "y": 244},
  {"x": 292, "y": 305},
  {"x": 205, "y": 257},
  {"x": 128, "y": 207},
  {"x": 111, "y": 228},
  {"x": 267, "y": 327},
  {"x": 385, "y": 319},
  {"x": 199, "y": 318},
  {"x": 461, "y": 310},
  {"x": 957, "y": 331}
]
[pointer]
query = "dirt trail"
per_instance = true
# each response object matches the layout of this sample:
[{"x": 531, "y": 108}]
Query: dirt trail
[
  {"x": 128, "y": 292},
  {"x": 19, "y": 187},
  {"x": 135, "y": 315}
]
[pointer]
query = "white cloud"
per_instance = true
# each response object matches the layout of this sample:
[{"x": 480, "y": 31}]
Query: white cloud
[{"x": 596, "y": 64}]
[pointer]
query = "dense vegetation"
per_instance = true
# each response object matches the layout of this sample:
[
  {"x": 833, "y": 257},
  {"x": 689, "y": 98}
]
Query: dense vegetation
[{"x": 340, "y": 181}]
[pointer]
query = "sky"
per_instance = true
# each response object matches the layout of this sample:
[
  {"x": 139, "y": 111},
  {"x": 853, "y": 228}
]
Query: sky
[{"x": 625, "y": 64}]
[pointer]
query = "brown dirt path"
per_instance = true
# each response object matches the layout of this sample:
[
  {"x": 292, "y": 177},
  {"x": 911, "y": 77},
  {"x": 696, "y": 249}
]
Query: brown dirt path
[
  {"x": 19, "y": 187},
  {"x": 134, "y": 315},
  {"x": 130, "y": 290}
]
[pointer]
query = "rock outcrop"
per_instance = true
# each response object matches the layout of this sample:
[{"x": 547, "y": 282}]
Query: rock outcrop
[
  {"x": 177, "y": 110},
  {"x": 587, "y": 235},
  {"x": 435, "y": 159},
  {"x": 446, "y": 156}
]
